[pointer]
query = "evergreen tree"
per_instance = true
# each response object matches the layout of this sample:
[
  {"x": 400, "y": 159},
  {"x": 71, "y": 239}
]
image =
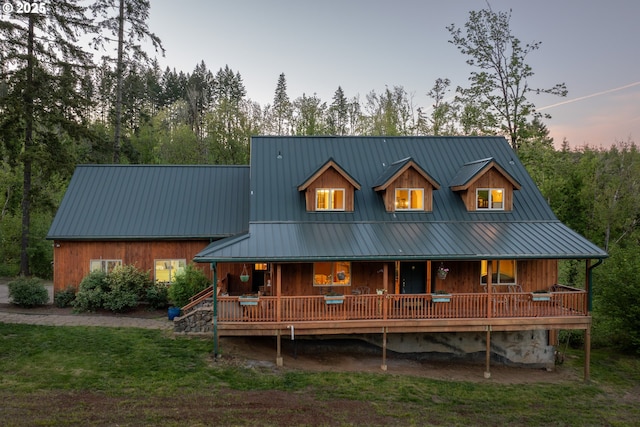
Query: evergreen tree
[
  {"x": 42, "y": 69},
  {"x": 134, "y": 13},
  {"x": 338, "y": 114},
  {"x": 281, "y": 107}
]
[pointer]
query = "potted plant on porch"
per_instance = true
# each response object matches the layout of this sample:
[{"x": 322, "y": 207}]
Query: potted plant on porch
[
  {"x": 541, "y": 295},
  {"x": 441, "y": 296},
  {"x": 248, "y": 299},
  {"x": 333, "y": 298}
]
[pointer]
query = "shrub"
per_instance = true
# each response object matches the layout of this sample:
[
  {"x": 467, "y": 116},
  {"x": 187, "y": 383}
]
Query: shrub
[
  {"x": 28, "y": 292},
  {"x": 126, "y": 286},
  {"x": 157, "y": 296},
  {"x": 91, "y": 292},
  {"x": 187, "y": 283},
  {"x": 65, "y": 298}
]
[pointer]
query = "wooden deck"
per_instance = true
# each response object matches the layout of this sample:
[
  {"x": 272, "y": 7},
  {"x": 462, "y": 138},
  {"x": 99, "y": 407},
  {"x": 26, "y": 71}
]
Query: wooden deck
[{"x": 357, "y": 314}]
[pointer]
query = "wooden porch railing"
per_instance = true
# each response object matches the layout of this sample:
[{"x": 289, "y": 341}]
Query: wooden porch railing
[{"x": 398, "y": 307}]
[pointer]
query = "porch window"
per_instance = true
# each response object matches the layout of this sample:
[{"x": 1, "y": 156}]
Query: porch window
[
  {"x": 410, "y": 199},
  {"x": 503, "y": 272},
  {"x": 332, "y": 273},
  {"x": 330, "y": 199},
  {"x": 490, "y": 199},
  {"x": 166, "y": 269},
  {"x": 105, "y": 265}
]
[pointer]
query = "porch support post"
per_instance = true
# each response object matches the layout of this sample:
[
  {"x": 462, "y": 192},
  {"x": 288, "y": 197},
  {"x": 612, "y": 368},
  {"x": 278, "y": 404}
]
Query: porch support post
[
  {"x": 279, "y": 361},
  {"x": 489, "y": 290},
  {"x": 384, "y": 349},
  {"x": 214, "y": 267},
  {"x": 278, "y": 293},
  {"x": 487, "y": 369},
  {"x": 587, "y": 354}
]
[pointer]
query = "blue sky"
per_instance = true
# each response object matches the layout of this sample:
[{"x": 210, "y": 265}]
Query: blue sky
[{"x": 365, "y": 45}]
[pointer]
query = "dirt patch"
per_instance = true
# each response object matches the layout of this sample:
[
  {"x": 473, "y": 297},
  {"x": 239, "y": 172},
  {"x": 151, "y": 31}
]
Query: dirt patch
[{"x": 356, "y": 356}]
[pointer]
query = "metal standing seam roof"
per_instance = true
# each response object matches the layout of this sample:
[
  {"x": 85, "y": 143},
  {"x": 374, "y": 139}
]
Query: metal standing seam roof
[
  {"x": 147, "y": 202},
  {"x": 281, "y": 228}
]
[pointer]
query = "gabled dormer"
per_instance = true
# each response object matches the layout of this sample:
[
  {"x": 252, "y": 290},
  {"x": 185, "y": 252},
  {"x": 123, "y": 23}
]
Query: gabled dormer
[
  {"x": 484, "y": 185},
  {"x": 405, "y": 186},
  {"x": 329, "y": 188}
]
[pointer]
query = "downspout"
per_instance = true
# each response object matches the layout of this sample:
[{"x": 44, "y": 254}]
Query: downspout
[
  {"x": 215, "y": 309},
  {"x": 590, "y": 279}
]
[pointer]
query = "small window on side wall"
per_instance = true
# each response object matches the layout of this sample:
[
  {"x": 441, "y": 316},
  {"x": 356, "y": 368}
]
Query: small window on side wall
[
  {"x": 332, "y": 273},
  {"x": 330, "y": 199},
  {"x": 409, "y": 199},
  {"x": 490, "y": 199},
  {"x": 104, "y": 265},
  {"x": 166, "y": 269}
]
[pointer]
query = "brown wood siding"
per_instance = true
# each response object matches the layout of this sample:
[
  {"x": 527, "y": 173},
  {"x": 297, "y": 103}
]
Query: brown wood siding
[
  {"x": 72, "y": 258},
  {"x": 535, "y": 275},
  {"x": 463, "y": 277},
  {"x": 408, "y": 179},
  {"x": 330, "y": 179},
  {"x": 491, "y": 179},
  {"x": 297, "y": 279}
]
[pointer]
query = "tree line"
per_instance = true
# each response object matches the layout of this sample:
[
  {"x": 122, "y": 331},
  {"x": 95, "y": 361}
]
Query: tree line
[{"x": 61, "y": 106}]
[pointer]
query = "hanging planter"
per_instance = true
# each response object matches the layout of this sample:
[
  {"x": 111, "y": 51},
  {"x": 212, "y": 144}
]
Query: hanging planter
[
  {"x": 442, "y": 272},
  {"x": 244, "y": 276}
]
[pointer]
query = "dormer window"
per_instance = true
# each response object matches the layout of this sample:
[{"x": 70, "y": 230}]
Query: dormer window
[
  {"x": 329, "y": 189},
  {"x": 490, "y": 198},
  {"x": 409, "y": 199},
  {"x": 484, "y": 186},
  {"x": 406, "y": 186},
  {"x": 330, "y": 199}
]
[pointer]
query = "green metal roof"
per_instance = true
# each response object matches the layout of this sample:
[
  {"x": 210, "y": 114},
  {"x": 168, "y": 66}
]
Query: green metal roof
[
  {"x": 153, "y": 202},
  {"x": 281, "y": 228}
]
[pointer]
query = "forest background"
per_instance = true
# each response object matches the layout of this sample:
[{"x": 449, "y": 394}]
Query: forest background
[{"x": 61, "y": 105}]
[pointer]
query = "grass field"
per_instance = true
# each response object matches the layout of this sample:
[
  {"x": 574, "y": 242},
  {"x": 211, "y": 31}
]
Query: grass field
[{"x": 102, "y": 376}]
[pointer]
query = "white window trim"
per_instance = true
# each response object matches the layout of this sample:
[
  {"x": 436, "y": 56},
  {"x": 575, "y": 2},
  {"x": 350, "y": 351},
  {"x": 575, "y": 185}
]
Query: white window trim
[
  {"x": 103, "y": 264},
  {"x": 170, "y": 260},
  {"x": 330, "y": 201},
  {"x": 489, "y": 190},
  {"x": 409, "y": 190}
]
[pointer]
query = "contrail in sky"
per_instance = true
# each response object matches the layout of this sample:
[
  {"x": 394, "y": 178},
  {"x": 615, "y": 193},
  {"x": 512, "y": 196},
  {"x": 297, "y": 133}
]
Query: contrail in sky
[{"x": 569, "y": 101}]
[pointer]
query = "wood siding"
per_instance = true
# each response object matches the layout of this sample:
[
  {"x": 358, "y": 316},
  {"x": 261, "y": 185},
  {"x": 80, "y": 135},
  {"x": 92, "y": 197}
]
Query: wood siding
[
  {"x": 463, "y": 277},
  {"x": 330, "y": 179},
  {"x": 72, "y": 258},
  {"x": 408, "y": 179},
  {"x": 491, "y": 179}
]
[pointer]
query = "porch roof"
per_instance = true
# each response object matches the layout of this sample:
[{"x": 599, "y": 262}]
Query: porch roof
[{"x": 295, "y": 242}]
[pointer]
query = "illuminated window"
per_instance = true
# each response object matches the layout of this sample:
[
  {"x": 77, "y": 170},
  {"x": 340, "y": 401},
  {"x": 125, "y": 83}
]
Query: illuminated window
[
  {"x": 490, "y": 198},
  {"x": 166, "y": 269},
  {"x": 409, "y": 199},
  {"x": 332, "y": 273},
  {"x": 260, "y": 266},
  {"x": 503, "y": 272},
  {"x": 330, "y": 199},
  {"x": 105, "y": 265}
]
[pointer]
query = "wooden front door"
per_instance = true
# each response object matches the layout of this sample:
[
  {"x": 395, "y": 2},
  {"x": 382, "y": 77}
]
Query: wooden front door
[{"x": 412, "y": 277}]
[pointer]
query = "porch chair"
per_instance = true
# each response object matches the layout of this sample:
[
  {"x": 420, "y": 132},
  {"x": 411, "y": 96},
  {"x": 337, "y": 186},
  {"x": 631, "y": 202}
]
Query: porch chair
[{"x": 361, "y": 290}]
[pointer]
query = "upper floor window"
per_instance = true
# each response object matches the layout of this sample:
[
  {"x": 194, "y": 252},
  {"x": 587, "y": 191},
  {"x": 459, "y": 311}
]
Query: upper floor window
[
  {"x": 330, "y": 199},
  {"x": 104, "y": 265},
  {"x": 490, "y": 199},
  {"x": 409, "y": 199}
]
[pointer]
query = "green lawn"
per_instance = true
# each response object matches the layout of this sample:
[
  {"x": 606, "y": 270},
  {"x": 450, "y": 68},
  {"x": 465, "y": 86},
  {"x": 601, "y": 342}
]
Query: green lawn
[{"x": 103, "y": 376}]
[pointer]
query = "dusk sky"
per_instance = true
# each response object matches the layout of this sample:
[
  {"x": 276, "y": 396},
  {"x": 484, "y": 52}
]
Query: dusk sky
[{"x": 365, "y": 45}]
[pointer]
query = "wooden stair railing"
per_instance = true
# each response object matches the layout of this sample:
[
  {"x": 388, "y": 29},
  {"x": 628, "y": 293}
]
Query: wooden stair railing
[{"x": 202, "y": 295}]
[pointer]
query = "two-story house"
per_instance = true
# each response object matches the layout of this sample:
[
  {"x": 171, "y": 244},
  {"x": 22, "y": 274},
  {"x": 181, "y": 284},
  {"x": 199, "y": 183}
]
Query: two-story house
[{"x": 416, "y": 244}]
